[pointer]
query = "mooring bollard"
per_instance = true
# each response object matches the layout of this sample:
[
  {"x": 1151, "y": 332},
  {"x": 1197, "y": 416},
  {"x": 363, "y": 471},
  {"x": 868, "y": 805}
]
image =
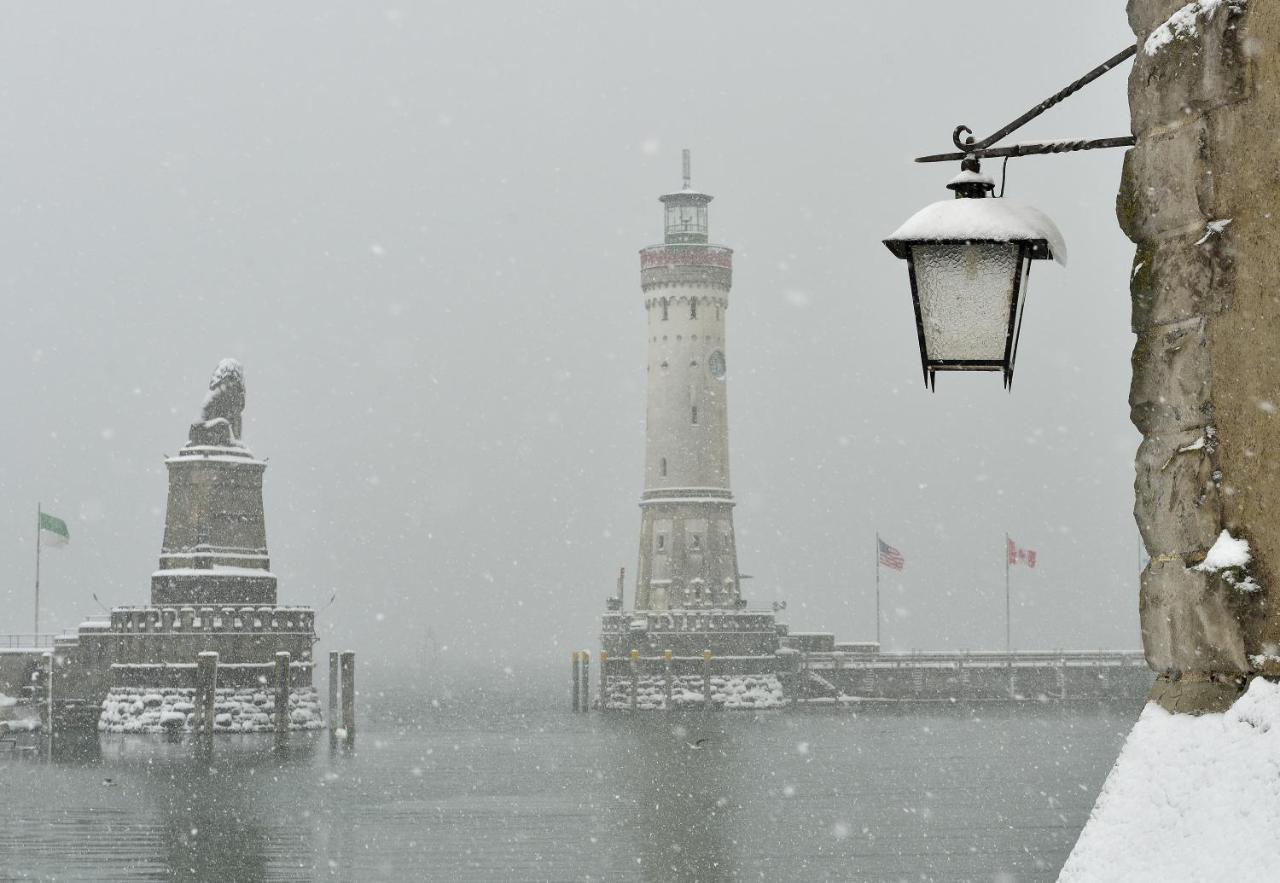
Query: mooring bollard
[
  {"x": 706, "y": 680},
  {"x": 206, "y": 690},
  {"x": 604, "y": 680},
  {"x": 666, "y": 679},
  {"x": 635, "y": 679},
  {"x": 334, "y": 681},
  {"x": 577, "y": 680},
  {"x": 283, "y": 688},
  {"x": 586, "y": 681},
  {"x": 348, "y": 664}
]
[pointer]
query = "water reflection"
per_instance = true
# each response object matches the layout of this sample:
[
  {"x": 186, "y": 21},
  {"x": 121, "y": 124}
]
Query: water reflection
[{"x": 678, "y": 774}]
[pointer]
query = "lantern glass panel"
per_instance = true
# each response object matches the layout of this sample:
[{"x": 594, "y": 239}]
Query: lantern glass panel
[{"x": 966, "y": 292}]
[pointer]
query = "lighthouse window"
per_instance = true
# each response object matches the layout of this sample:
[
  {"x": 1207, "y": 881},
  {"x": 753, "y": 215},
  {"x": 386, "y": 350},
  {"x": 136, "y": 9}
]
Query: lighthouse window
[
  {"x": 695, "y": 415},
  {"x": 662, "y": 542},
  {"x": 693, "y": 309},
  {"x": 664, "y": 311},
  {"x": 662, "y": 467},
  {"x": 695, "y": 542}
]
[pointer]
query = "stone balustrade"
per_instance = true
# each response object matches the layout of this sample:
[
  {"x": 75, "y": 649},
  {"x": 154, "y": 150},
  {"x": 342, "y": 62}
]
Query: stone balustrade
[
  {"x": 689, "y": 621},
  {"x": 207, "y": 619}
]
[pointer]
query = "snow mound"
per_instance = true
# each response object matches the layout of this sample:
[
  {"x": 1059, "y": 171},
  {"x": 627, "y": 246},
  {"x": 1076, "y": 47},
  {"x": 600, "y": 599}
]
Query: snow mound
[{"x": 1190, "y": 798}]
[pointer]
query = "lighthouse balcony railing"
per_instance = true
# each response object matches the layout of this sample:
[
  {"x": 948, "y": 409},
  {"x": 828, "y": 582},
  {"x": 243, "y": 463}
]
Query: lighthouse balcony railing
[
  {"x": 207, "y": 618},
  {"x": 687, "y": 620}
]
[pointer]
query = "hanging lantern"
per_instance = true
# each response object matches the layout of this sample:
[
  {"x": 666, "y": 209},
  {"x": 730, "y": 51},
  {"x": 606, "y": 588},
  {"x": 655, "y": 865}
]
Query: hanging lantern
[{"x": 969, "y": 259}]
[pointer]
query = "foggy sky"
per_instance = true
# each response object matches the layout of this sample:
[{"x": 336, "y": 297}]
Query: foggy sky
[{"x": 418, "y": 228}]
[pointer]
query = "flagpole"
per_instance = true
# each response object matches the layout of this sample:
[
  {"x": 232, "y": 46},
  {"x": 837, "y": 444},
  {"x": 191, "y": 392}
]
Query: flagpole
[
  {"x": 37, "y": 618},
  {"x": 1007, "y": 645},
  {"x": 878, "y": 591}
]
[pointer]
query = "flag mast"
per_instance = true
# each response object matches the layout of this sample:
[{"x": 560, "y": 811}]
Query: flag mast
[
  {"x": 1007, "y": 645},
  {"x": 37, "y": 617},
  {"x": 878, "y": 591}
]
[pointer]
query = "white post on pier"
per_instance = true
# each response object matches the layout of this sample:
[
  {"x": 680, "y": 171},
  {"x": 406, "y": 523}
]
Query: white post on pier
[
  {"x": 1007, "y": 643},
  {"x": 49, "y": 662},
  {"x": 877, "y": 588}
]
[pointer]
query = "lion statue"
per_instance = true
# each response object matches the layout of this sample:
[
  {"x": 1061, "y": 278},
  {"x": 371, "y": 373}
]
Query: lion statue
[{"x": 219, "y": 422}]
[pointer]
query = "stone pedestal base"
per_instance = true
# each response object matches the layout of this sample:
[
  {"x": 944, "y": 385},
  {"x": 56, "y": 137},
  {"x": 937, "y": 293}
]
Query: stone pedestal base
[{"x": 237, "y": 710}]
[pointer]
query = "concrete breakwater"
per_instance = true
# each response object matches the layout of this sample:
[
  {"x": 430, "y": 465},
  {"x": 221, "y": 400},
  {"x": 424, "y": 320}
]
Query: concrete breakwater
[
  {"x": 792, "y": 676},
  {"x": 974, "y": 676}
]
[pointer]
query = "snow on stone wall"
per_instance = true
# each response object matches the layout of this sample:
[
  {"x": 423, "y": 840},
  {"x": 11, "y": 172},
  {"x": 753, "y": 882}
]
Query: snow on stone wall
[
  {"x": 735, "y": 692},
  {"x": 236, "y": 710}
]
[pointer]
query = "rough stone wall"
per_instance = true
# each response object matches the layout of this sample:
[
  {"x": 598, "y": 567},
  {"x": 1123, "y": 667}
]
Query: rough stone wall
[{"x": 1206, "y": 363}]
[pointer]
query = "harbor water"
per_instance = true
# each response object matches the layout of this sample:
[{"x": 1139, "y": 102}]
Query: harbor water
[{"x": 453, "y": 783}]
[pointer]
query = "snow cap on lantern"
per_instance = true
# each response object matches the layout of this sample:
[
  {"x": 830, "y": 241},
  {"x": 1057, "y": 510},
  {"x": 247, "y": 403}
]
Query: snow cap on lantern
[{"x": 968, "y": 259}]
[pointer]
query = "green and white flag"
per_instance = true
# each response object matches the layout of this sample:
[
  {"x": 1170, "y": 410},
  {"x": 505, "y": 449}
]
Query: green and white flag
[{"x": 53, "y": 530}]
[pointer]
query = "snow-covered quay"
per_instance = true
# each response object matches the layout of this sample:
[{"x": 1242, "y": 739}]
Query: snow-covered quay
[{"x": 1190, "y": 798}]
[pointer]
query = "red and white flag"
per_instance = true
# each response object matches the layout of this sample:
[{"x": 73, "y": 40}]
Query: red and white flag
[
  {"x": 1019, "y": 555},
  {"x": 889, "y": 556}
]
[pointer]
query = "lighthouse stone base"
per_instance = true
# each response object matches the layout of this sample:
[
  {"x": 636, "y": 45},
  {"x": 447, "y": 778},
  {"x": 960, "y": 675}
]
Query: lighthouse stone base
[{"x": 733, "y": 655}]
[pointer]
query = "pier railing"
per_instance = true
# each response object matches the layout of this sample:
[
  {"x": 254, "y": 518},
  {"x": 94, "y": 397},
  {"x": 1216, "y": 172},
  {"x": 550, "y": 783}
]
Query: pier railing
[
  {"x": 18, "y": 641},
  {"x": 941, "y": 659}
]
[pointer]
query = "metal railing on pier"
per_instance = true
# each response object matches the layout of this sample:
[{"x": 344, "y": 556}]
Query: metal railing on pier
[{"x": 28, "y": 641}]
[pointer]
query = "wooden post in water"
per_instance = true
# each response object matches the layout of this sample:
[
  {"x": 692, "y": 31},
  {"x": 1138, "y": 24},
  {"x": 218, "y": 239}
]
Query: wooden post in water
[
  {"x": 206, "y": 690},
  {"x": 604, "y": 680},
  {"x": 577, "y": 680},
  {"x": 635, "y": 680},
  {"x": 706, "y": 680},
  {"x": 334, "y": 680},
  {"x": 666, "y": 679},
  {"x": 586, "y": 681},
  {"x": 348, "y": 666},
  {"x": 284, "y": 686}
]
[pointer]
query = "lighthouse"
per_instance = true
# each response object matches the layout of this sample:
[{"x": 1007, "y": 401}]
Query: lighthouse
[
  {"x": 688, "y": 559},
  {"x": 689, "y": 636}
]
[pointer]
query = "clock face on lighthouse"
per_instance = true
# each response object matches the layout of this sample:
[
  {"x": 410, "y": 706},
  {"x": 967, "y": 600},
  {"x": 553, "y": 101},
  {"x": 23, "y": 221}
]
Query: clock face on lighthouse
[{"x": 715, "y": 364}]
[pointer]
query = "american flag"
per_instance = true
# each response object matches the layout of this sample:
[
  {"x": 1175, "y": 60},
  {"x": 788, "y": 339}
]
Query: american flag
[
  {"x": 889, "y": 556},
  {"x": 1018, "y": 555}
]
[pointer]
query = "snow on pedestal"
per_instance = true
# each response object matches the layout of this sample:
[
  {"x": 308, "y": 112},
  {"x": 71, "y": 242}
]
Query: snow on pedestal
[
  {"x": 236, "y": 710},
  {"x": 1190, "y": 798},
  {"x": 745, "y": 692}
]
